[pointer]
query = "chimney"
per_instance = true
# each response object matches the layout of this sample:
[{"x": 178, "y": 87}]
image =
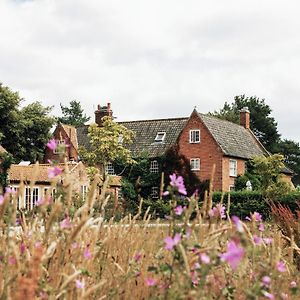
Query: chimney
[
  {"x": 245, "y": 117},
  {"x": 102, "y": 112}
]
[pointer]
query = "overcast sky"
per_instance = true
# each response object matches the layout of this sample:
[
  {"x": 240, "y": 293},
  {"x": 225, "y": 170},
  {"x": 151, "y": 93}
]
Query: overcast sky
[{"x": 154, "y": 59}]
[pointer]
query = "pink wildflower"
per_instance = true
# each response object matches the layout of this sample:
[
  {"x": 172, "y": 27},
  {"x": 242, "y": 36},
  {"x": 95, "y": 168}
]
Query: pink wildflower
[
  {"x": 268, "y": 295},
  {"x": 261, "y": 227},
  {"x": 257, "y": 240},
  {"x": 1, "y": 199},
  {"x": 79, "y": 284},
  {"x": 238, "y": 223},
  {"x": 87, "y": 253},
  {"x": 53, "y": 172},
  {"x": 266, "y": 280},
  {"x": 284, "y": 296},
  {"x": 218, "y": 211},
  {"x": 40, "y": 202},
  {"x": 65, "y": 223},
  {"x": 179, "y": 210},
  {"x": 52, "y": 144},
  {"x": 268, "y": 241},
  {"x": 204, "y": 258},
  {"x": 234, "y": 254},
  {"x": 293, "y": 284},
  {"x": 12, "y": 260},
  {"x": 22, "y": 248},
  {"x": 257, "y": 217},
  {"x": 150, "y": 281},
  {"x": 178, "y": 183},
  {"x": 9, "y": 190},
  {"x": 170, "y": 242},
  {"x": 138, "y": 257},
  {"x": 281, "y": 266},
  {"x": 194, "y": 278}
]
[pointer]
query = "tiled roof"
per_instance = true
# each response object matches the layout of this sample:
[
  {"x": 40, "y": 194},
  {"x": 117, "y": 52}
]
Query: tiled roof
[
  {"x": 72, "y": 134},
  {"x": 233, "y": 139},
  {"x": 145, "y": 133},
  {"x": 39, "y": 173}
]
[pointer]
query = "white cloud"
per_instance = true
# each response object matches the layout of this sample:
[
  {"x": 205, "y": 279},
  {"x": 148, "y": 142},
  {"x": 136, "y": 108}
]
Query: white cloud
[{"x": 153, "y": 58}]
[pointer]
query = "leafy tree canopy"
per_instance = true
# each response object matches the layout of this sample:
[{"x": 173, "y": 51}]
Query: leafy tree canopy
[
  {"x": 24, "y": 131},
  {"x": 73, "y": 115},
  {"x": 261, "y": 123},
  {"x": 107, "y": 144}
]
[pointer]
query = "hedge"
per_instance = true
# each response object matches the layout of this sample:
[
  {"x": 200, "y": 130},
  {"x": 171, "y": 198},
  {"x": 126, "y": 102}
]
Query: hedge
[{"x": 242, "y": 203}]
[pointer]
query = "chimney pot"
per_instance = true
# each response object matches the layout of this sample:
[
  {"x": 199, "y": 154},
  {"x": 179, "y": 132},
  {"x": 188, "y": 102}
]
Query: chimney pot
[{"x": 99, "y": 106}]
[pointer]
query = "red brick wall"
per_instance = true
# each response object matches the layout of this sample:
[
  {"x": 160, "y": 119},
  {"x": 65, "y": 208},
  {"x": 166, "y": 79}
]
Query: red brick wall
[
  {"x": 71, "y": 153},
  {"x": 229, "y": 180},
  {"x": 207, "y": 150}
]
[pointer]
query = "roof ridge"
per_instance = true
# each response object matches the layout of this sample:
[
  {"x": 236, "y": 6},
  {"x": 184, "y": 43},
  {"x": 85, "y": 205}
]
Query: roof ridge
[{"x": 162, "y": 119}]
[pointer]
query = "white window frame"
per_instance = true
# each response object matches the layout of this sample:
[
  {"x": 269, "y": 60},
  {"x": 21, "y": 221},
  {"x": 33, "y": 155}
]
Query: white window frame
[
  {"x": 109, "y": 169},
  {"x": 31, "y": 197},
  {"x": 154, "y": 167},
  {"x": 195, "y": 164},
  {"x": 232, "y": 167},
  {"x": 195, "y": 136},
  {"x": 59, "y": 149},
  {"x": 160, "y": 136},
  {"x": 154, "y": 192},
  {"x": 83, "y": 191}
]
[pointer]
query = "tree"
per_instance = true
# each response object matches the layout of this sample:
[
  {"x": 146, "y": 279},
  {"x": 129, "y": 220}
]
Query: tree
[
  {"x": 73, "y": 115},
  {"x": 261, "y": 123},
  {"x": 24, "y": 131},
  {"x": 291, "y": 151},
  {"x": 269, "y": 171},
  {"x": 36, "y": 124},
  {"x": 107, "y": 144}
]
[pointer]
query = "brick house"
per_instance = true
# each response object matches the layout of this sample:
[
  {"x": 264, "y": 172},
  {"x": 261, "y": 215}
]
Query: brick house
[{"x": 204, "y": 140}]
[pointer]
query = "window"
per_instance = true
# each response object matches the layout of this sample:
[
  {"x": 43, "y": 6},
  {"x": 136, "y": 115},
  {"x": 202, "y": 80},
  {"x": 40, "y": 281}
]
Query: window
[
  {"x": 154, "y": 192},
  {"x": 83, "y": 190},
  {"x": 195, "y": 164},
  {"x": 195, "y": 136},
  {"x": 160, "y": 136},
  {"x": 35, "y": 196},
  {"x": 154, "y": 166},
  {"x": 109, "y": 169},
  {"x": 27, "y": 198},
  {"x": 232, "y": 167},
  {"x": 60, "y": 148}
]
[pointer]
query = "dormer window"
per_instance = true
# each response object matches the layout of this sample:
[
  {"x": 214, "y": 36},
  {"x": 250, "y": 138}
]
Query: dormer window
[{"x": 160, "y": 136}]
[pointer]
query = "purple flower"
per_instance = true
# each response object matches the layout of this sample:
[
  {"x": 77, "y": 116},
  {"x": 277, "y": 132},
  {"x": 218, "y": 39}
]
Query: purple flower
[
  {"x": 12, "y": 260},
  {"x": 257, "y": 217},
  {"x": 1, "y": 199},
  {"x": 87, "y": 253},
  {"x": 238, "y": 223},
  {"x": 178, "y": 183},
  {"x": 268, "y": 295},
  {"x": 194, "y": 278},
  {"x": 204, "y": 258},
  {"x": 22, "y": 248},
  {"x": 166, "y": 193},
  {"x": 9, "y": 190},
  {"x": 268, "y": 241},
  {"x": 257, "y": 240},
  {"x": 137, "y": 257},
  {"x": 261, "y": 227},
  {"x": 52, "y": 144},
  {"x": 218, "y": 211},
  {"x": 281, "y": 266},
  {"x": 170, "y": 242},
  {"x": 293, "y": 284},
  {"x": 234, "y": 254},
  {"x": 53, "y": 172},
  {"x": 65, "y": 223},
  {"x": 40, "y": 202},
  {"x": 266, "y": 280},
  {"x": 179, "y": 210},
  {"x": 150, "y": 281},
  {"x": 79, "y": 284}
]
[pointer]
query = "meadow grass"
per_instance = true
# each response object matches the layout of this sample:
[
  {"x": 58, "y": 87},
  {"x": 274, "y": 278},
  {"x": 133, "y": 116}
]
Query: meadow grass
[{"x": 67, "y": 250}]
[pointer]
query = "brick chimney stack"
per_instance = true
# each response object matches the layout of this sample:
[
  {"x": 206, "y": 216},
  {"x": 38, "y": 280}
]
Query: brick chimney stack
[
  {"x": 245, "y": 117},
  {"x": 102, "y": 112}
]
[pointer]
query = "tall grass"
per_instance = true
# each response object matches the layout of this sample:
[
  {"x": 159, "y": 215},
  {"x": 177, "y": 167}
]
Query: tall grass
[{"x": 69, "y": 251}]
